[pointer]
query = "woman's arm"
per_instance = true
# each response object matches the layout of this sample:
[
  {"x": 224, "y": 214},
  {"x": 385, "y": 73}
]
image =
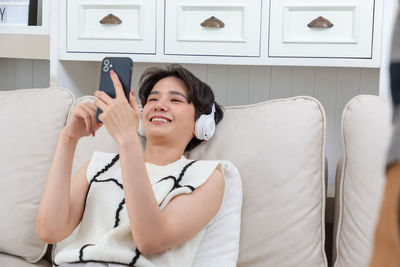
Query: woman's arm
[
  {"x": 61, "y": 204},
  {"x": 154, "y": 230}
]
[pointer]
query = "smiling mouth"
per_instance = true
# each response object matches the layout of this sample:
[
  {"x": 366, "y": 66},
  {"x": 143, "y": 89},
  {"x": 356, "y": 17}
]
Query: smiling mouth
[{"x": 159, "y": 120}]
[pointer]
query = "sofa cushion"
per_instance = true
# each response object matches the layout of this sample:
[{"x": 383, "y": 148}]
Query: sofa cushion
[
  {"x": 30, "y": 120},
  {"x": 366, "y": 130},
  {"x": 7, "y": 260},
  {"x": 220, "y": 243},
  {"x": 278, "y": 148}
]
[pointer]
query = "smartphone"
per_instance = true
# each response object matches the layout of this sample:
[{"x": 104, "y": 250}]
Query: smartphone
[{"x": 123, "y": 67}]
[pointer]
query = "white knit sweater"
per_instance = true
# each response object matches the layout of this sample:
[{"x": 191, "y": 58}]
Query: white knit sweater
[{"x": 105, "y": 234}]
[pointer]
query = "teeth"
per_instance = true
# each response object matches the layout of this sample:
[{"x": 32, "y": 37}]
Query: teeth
[{"x": 160, "y": 119}]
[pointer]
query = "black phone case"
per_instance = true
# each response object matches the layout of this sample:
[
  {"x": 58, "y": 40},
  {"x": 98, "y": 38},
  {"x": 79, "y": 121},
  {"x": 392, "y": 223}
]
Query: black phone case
[{"x": 123, "y": 67}]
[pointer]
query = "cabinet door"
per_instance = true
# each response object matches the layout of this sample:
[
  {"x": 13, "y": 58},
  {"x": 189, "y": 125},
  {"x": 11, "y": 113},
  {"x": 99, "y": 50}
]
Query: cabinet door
[
  {"x": 315, "y": 28},
  {"x": 222, "y": 27},
  {"x": 123, "y": 26}
]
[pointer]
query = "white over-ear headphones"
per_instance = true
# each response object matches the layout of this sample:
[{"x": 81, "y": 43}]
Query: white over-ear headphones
[
  {"x": 205, "y": 125},
  {"x": 140, "y": 127},
  {"x": 204, "y": 128}
]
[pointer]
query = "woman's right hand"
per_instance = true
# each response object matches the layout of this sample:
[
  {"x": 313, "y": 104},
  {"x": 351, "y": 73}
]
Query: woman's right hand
[{"x": 82, "y": 121}]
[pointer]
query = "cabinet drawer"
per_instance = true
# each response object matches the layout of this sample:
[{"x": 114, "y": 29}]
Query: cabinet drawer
[
  {"x": 124, "y": 26},
  {"x": 226, "y": 28},
  {"x": 315, "y": 28}
]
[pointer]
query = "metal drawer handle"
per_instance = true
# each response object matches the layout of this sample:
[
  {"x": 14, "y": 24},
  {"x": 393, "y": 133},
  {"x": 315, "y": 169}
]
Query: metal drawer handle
[
  {"x": 110, "y": 19},
  {"x": 213, "y": 22},
  {"x": 320, "y": 22}
]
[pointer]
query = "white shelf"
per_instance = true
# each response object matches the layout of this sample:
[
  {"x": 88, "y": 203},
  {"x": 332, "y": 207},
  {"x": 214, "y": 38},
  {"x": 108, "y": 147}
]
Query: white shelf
[
  {"x": 23, "y": 29},
  {"x": 28, "y": 42},
  {"x": 28, "y": 46}
]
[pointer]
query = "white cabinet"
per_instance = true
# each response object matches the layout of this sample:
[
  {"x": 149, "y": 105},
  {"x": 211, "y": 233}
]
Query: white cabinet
[
  {"x": 219, "y": 28},
  {"x": 234, "y": 32},
  {"x": 315, "y": 28},
  {"x": 123, "y": 26}
]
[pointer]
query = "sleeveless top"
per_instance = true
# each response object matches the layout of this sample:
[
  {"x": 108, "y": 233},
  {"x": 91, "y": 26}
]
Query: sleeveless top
[{"x": 105, "y": 235}]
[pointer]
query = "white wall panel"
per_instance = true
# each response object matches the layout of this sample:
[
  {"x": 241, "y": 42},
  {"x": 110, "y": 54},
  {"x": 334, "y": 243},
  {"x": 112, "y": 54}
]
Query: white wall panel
[
  {"x": 40, "y": 74},
  {"x": 303, "y": 81},
  {"x": 200, "y": 70},
  {"x": 281, "y": 82},
  {"x": 369, "y": 81},
  {"x": 82, "y": 78},
  {"x": 218, "y": 80},
  {"x": 259, "y": 84},
  {"x": 23, "y": 73},
  {"x": 7, "y": 74},
  {"x": 238, "y": 85},
  {"x": 326, "y": 93}
]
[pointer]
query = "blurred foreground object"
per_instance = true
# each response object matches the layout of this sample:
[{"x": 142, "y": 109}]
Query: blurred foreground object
[{"x": 386, "y": 250}]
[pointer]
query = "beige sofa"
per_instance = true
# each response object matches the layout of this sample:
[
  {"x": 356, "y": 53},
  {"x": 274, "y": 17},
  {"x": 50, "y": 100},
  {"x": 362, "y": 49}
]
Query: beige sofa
[
  {"x": 277, "y": 146},
  {"x": 360, "y": 178}
]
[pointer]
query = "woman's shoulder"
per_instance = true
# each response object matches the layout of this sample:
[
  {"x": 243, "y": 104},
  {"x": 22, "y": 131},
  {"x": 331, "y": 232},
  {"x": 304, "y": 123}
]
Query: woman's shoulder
[
  {"x": 201, "y": 170},
  {"x": 219, "y": 164},
  {"x": 198, "y": 171},
  {"x": 103, "y": 154},
  {"x": 99, "y": 160}
]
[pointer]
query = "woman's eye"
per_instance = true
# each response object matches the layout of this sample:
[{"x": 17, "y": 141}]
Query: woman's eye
[
  {"x": 176, "y": 100},
  {"x": 151, "y": 99}
]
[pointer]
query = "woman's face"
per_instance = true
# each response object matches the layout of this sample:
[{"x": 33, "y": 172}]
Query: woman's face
[{"x": 167, "y": 112}]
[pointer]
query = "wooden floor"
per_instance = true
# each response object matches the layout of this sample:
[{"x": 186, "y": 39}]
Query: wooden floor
[{"x": 328, "y": 242}]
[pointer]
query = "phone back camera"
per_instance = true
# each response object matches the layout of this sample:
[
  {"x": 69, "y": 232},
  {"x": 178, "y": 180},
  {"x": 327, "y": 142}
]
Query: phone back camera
[
  {"x": 106, "y": 62},
  {"x": 105, "y": 68}
]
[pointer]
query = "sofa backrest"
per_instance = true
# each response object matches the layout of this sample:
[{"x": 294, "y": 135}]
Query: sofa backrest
[
  {"x": 31, "y": 120},
  {"x": 278, "y": 148},
  {"x": 366, "y": 131}
]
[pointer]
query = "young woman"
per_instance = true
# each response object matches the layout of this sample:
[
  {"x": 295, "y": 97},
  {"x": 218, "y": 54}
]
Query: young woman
[{"x": 136, "y": 208}]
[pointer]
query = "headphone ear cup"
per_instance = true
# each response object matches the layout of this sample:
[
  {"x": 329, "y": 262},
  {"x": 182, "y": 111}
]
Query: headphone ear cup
[
  {"x": 205, "y": 127},
  {"x": 199, "y": 128},
  {"x": 209, "y": 128},
  {"x": 140, "y": 128}
]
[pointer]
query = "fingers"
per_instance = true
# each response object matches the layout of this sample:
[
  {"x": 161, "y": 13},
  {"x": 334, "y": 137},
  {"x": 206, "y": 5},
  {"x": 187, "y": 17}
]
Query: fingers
[
  {"x": 92, "y": 108},
  {"x": 102, "y": 99},
  {"x": 132, "y": 101},
  {"x": 88, "y": 113},
  {"x": 85, "y": 114},
  {"x": 119, "y": 90}
]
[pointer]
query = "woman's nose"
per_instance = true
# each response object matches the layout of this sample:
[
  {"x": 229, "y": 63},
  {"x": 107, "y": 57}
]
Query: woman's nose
[{"x": 160, "y": 106}]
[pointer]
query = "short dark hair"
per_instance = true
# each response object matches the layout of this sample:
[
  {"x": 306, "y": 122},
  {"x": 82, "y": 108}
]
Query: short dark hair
[{"x": 199, "y": 92}]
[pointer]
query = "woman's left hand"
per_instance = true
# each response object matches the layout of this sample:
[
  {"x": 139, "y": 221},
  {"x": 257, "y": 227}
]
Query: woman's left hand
[{"x": 120, "y": 117}]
